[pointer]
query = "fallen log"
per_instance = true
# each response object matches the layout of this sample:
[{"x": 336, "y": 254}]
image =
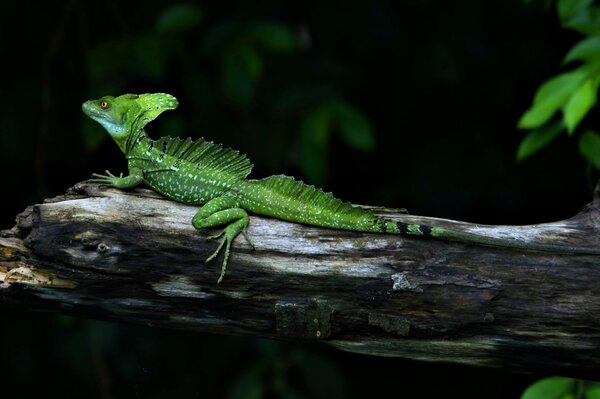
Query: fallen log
[{"x": 134, "y": 256}]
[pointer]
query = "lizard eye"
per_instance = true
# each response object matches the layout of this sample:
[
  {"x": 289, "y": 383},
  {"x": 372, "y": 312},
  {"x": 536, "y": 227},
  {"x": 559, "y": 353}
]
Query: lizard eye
[{"x": 104, "y": 104}]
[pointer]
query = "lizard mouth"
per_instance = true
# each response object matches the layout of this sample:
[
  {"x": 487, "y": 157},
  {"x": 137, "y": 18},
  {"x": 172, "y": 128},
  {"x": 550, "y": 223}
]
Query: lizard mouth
[{"x": 89, "y": 109}]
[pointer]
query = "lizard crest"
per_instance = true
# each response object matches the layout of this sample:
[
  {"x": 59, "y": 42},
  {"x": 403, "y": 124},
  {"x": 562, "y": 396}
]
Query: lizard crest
[{"x": 127, "y": 115}]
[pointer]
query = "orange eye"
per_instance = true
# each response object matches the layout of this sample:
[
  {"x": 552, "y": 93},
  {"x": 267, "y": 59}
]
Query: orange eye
[{"x": 104, "y": 104}]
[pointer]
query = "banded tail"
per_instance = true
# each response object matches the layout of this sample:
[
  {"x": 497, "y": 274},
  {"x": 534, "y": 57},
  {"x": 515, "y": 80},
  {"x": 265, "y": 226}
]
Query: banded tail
[
  {"x": 288, "y": 199},
  {"x": 393, "y": 227}
]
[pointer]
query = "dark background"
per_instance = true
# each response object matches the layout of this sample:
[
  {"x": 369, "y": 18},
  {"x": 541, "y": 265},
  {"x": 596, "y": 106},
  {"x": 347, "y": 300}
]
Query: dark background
[{"x": 441, "y": 84}]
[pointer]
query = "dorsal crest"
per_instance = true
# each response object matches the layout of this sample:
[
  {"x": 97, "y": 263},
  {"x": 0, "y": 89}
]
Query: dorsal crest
[
  {"x": 311, "y": 195},
  {"x": 212, "y": 159}
]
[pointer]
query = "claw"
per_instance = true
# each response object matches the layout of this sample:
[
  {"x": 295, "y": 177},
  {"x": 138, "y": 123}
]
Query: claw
[
  {"x": 213, "y": 236},
  {"x": 227, "y": 242},
  {"x": 214, "y": 254},
  {"x": 224, "y": 265},
  {"x": 248, "y": 240},
  {"x": 107, "y": 179}
]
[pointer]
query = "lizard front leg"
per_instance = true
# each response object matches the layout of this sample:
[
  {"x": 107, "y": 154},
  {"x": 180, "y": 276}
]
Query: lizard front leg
[
  {"x": 217, "y": 212},
  {"x": 134, "y": 178}
]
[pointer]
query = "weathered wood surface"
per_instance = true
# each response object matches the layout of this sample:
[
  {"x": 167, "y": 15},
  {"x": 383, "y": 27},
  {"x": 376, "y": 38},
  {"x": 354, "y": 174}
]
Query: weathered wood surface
[{"x": 134, "y": 256}]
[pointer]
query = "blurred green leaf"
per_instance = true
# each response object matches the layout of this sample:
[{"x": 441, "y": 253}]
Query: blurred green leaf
[
  {"x": 549, "y": 388},
  {"x": 302, "y": 97},
  {"x": 568, "y": 9},
  {"x": 552, "y": 95},
  {"x": 314, "y": 140},
  {"x": 585, "y": 50},
  {"x": 242, "y": 66},
  {"x": 179, "y": 18},
  {"x": 322, "y": 377},
  {"x": 586, "y": 21},
  {"x": 317, "y": 127},
  {"x": 274, "y": 37},
  {"x": 171, "y": 125},
  {"x": 589, "y": 147},
  {"x": 537, "y": 139},
  {"x": 149, "y": 55},
  {"x": 92, "y": 134},
  {"x": 355, "y": 128},
  {"x": 593, "y": 392},
  {"x": 145, "y": 55},
  {"x": 579, "y": 104},
  {"x": 249, "y": 385},
  {"x": 218, "y": 37},
  {"x": 108, "y": 58}
]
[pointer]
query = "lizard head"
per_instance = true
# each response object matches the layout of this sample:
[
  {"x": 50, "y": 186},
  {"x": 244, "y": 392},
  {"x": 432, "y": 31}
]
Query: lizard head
[{"x": 124, "y": 115}]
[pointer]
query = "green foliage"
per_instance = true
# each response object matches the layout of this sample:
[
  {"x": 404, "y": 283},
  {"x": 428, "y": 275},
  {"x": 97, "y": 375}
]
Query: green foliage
[
  {"x": 580, "y": 102},
  {"x": 317, "y": 127},
  {"x": 579, "y": 15},
  {"x": 241, "y": 69},
  {"x": 589, "y": 147},
  {"x": 586, "y": 50},
  {"x": 562, "y": 388},
  {"x": 179, "y": 18},
  {"x": 240, "y": 47},
  {"x": 550, "y": 388},
  {"x": 246, "y": 54},
  {"x": 593, "y": 392},
  {"x": 289, "y": 374},
  {"x": 550, "y": 97},
  {"x": 538, "y": 139},
  {"x": 573, "y": 92}
]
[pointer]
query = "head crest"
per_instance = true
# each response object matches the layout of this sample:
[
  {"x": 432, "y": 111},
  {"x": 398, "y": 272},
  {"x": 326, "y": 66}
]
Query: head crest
[{"x": 154, "y": 104}]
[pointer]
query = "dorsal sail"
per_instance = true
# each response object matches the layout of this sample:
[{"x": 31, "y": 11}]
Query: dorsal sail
[{"x": 206, "y": 157}]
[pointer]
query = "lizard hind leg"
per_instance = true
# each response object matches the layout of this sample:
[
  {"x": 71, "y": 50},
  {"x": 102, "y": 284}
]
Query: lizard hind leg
[{"x": 217, "y": 212}]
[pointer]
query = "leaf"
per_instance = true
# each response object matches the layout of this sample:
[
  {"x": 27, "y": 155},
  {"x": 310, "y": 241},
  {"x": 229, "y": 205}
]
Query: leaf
[
  {"x": 241, "y": 69},
  {"x": 589, "y": 147},
  {"x": 92, "y": 134},
  {"x": 149, "y": 55},
  {"x": 220, "y": 36},
  {"x": 179, "y": 18},
  {"x": 585, "y": 50},
  {"x": 249, "y": 385},
  {"x": 538, "y": 139},
  {"x": 549, "y": 388},
  {"x": 567, "y": 9},
  {"x": 314, "y": 140},
  {"x": 355, "y": 128},
  {"x": 552, "y": 95},
  {"x": 142, "y": 55},
  {"x": 302, "y": 97},
  {"x": 587, "y": 21},
  {"x": 579, "y": 104},
  {"x": 171, "y": 125},
  {"x": 322, "y": 377},
  {"x": 593, "y": 393},
  {"x": 274, "y": 37}
]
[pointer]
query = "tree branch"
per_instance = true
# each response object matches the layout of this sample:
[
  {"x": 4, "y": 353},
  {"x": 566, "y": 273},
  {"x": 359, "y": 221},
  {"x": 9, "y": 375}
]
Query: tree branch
[{"x": 134, "y": 256}]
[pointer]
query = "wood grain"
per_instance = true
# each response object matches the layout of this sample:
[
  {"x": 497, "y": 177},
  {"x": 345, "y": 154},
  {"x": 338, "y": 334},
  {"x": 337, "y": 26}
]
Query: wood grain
[{"x": 134, "y": 256}]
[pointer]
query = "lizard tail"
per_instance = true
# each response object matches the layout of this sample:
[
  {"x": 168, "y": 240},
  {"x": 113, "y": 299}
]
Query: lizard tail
[{"x": 393, "y": 227}]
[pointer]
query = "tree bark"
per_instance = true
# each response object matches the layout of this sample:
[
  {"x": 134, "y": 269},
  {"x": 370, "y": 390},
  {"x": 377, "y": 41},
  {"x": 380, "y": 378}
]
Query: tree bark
[{"x": 134, "y": 256}]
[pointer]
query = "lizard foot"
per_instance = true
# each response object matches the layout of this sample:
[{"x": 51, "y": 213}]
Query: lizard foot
[
  {"x": 228, "y": 233},
  {"x": 108, "y": 179},
  {"x": 224, "y": 241}
]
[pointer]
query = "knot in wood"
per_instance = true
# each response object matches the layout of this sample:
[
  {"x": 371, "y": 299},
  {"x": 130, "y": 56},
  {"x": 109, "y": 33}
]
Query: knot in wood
[{"x": 102, "y": 248}]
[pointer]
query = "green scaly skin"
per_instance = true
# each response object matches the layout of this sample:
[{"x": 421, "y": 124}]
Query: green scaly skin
[{"x": 203, "y": 173}]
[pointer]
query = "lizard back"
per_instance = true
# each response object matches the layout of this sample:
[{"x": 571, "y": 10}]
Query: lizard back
[
  {"x": 285, "y": 198},
  {"x": 188, "y": 171}
]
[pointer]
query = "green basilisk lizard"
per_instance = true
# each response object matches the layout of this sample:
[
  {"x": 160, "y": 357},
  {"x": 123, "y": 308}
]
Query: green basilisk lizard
[{"x": 204, "y": 173}]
